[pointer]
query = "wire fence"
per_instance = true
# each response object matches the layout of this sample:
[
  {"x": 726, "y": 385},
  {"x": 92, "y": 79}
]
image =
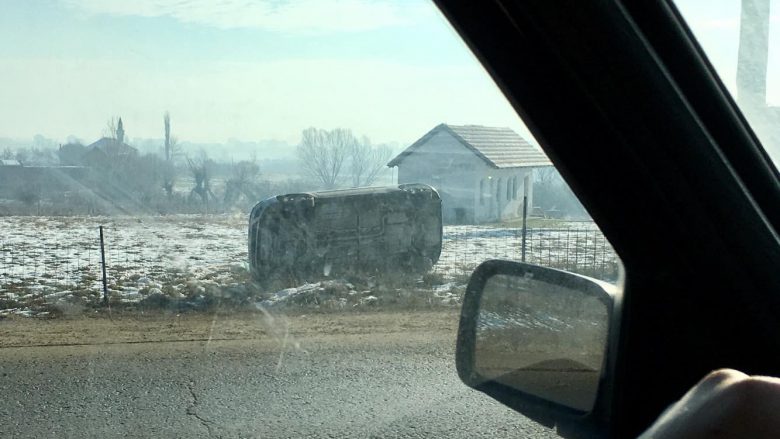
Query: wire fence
[
  {"x": 582, "y": 249},
  {"x": 43, "y": 265},
  {"x": 52, "y": 266}
]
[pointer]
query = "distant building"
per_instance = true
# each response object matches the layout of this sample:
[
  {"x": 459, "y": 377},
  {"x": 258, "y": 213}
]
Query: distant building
[
  {"x": 481, "y": 173},
  {"x": 10, "y": 162},
  {"x": 108, "y": 151},
  {"x": 72, "y": 154}
]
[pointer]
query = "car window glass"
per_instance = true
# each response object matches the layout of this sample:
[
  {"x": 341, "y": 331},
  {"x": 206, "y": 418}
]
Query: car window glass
[
  {"x": 742, "y": 41},
  {"x": 240, "y": 219}
]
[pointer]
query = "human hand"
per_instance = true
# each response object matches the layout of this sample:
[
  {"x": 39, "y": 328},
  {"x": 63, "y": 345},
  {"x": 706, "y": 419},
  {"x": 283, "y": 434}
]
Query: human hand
[{"x": 725, "y": 404}]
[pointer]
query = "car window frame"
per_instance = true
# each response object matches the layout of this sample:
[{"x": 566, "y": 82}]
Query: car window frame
[{"x": 544, "y": 59}]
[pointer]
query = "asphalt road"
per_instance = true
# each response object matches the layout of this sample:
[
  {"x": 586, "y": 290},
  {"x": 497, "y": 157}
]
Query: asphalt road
[{"x": 342, "y": 385}]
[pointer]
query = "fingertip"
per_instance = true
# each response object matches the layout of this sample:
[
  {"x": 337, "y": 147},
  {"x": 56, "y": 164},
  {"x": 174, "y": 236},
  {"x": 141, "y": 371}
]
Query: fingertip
[
  {"x": 713, "y": 381},
  {"x": 721, "y": 376}
]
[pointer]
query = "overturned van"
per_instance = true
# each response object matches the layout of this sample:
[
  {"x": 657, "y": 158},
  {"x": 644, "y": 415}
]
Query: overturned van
[{"x": 343, "y": 231}]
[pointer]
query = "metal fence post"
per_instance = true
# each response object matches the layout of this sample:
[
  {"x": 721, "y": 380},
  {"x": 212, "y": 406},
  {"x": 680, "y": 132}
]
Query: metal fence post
[
  {"x": 525, "y": 224},
  {"x": 103, "y": 263}
]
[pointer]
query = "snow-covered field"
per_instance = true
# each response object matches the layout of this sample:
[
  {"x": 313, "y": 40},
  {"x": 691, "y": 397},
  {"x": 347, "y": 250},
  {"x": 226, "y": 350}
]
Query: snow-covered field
[
  {"x": 48, "y": 259},
  {"x": 50, "y": 262}
]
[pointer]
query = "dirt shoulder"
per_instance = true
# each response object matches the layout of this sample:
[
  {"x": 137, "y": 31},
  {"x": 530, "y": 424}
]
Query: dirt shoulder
[{"x": 167, "y": 327}]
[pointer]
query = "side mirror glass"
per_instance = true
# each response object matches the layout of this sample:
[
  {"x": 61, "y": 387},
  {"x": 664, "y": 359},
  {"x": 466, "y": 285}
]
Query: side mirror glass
[{"x": 535, "y": 337}]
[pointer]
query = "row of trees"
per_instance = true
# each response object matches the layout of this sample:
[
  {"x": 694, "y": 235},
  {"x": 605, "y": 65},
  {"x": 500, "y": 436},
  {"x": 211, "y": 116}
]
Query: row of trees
[
  {"x": 151, "y": 176},
  {"x": 337, "y": 158},
  {"x": 139, "y": 184},
  {"x": 174, "y": 181},
  {"x": 168, "y": 181},
  {"x": 329, "y": 158},
  {"x": 552, "y": 194}
]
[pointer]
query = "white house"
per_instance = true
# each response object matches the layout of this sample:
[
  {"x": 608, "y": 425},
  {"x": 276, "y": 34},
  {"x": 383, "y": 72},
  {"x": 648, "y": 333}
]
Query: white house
[{"x": 481, "y": 173}]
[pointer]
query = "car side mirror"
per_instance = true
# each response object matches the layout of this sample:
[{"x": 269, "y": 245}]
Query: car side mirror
[{"x": 536, "y": 339}]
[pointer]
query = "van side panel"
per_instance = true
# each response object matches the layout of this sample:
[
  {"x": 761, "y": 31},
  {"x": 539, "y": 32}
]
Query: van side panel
[{"x": 324, "y": 233}]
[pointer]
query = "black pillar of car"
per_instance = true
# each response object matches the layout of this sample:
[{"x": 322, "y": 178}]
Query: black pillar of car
[{"x": 666, "y": 167}]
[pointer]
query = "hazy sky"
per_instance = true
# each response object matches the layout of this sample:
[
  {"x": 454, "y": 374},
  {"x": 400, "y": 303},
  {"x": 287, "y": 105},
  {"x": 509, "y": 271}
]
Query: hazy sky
[
  {"x": 237, "y": 69},
  {"x": 256, "y": 70},
  {"x": 715, "y": 24}
]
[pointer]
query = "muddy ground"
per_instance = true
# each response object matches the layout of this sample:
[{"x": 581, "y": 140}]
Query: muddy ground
[{"x": 117, "y": 328}]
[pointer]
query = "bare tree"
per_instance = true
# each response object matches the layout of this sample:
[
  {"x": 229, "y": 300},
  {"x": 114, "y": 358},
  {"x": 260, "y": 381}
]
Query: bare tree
[
  {"x": 366, "y": 161},
  {"x": 546, "y": 175},
  {"x": 201, "y": 173},
  {"x": 552, "y": 193},
  {"x": 110, "y": 129},
  {"x": 114, "y": 129},
  {"x": 31, "y": 194},
  {"x": 22, "y": 154},
  {"x": 171, "y": 151},
  {"x": 42, "y": 156},
  {"x": 323, "y": 153},
  {"x": 243, "y": 181},
  {"x": 142, "y": 179},
  {"x": 168, "y": 177}
]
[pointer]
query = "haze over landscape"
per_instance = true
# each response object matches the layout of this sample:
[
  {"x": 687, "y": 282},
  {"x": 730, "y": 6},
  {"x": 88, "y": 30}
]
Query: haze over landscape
[
  {"x": 259, "y": 71},
  {"x": 259, "y": 74}
]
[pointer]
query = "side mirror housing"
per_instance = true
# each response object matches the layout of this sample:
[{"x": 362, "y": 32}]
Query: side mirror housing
[{"x": 538, "y": 340}]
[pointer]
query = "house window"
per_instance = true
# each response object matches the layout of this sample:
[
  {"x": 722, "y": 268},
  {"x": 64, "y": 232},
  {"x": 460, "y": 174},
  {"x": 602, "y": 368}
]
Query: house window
[
  {"x": 482, "y": 192},
  {"x": 498, "y": 191},
  {"x": 514, "y": 188},
  {"x": 508, "y": 190}
]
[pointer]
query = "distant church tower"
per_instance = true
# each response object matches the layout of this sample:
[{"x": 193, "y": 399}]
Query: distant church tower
[{"x": 120, "y": 132}]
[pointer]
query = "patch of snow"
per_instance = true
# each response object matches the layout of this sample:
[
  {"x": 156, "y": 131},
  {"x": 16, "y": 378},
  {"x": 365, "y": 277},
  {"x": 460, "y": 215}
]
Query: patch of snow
[
  {"x": 288, "y": 293},
  {"x": 446, "y": 287},
  {"x": 130, "y": 295},
  {"x": 368, "y": 300},
  {"x": 200, "y": 255},
  {"x": 57, "y": 295}
]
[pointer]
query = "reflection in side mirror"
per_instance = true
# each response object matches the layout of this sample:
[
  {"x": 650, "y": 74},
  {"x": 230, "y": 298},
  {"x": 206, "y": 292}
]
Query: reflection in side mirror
[{"x": 535, "y": 332}]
